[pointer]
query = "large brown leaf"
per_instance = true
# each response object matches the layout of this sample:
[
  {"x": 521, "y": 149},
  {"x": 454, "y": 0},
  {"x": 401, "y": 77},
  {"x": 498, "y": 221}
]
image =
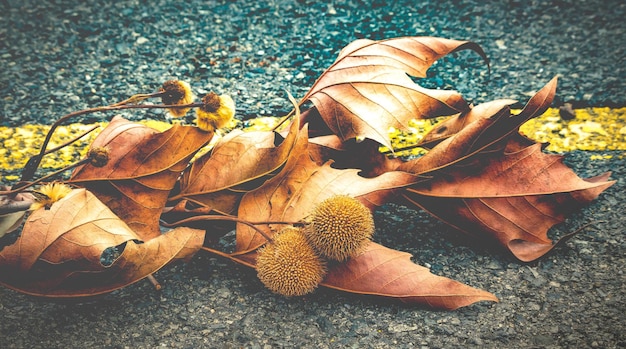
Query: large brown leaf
[
  {"x": 238, "y": 163},
  {"x": 490, "y": 132},
  {"x": 382, "y": 271},
  {"x": 60, "y": 251},
  {"x": 293, "y": 193},
  {"x": 513, "y": 198},
  {"x": 144, "y": 166},
  {"x": 386, "y": 272},
  {"x": 367, "y": 89},
  {"x": 456, "y": 123}
]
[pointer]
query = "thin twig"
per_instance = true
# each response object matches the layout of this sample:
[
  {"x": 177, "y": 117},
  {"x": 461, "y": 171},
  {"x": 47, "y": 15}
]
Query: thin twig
[
  {"x": 154, "y": 282},
  {"x": 48, "y": 176},
  {"x": 31, "y": 166},
  {"x": 71, "y": 141},
  {"x": 231, "y": 219},
  {"x": 227, "y": 255},
  {"x": 283, "y": 120}
]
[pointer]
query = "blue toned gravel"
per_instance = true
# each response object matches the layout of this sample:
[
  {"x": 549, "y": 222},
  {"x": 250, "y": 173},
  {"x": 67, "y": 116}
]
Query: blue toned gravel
[{"x": 61, "y": 56}]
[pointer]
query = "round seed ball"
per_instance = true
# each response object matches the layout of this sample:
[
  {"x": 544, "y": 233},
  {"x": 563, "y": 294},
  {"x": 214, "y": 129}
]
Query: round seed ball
[
  {"x": 340, "y": 227},
  {"x": 289, "y": 266}
]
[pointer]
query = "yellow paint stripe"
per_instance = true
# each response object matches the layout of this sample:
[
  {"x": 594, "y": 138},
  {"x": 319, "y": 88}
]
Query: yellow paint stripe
[
  {"x": 593, "y": 129},
  {"x": 597, "y": 129}
]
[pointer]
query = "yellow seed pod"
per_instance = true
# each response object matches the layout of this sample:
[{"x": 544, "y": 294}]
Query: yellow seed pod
[
  {"x": 340, "y": 227},
  {"x": 176, "y": 93},
  {"x": 215, "y": 112},
  {"x": 49, "y": 194},
  {"x": 98, "y": 156},
  {"x": 289, "y": 266}
]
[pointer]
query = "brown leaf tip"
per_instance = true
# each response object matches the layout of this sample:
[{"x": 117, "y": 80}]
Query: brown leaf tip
[
  {"x": 175, "y": 92},
  {"x": 340, "y": 227},
  {"x": 289, "y": 266}
]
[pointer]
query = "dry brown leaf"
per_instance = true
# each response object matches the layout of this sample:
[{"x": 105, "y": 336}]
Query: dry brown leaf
[
  {"x": 60, "y": 251},
  {"x": 456, "y": 123},
  {"x": 293, "y": 193},
  {"x": 513, "y": 198},
  {"x": 143, "y": 167},
  {"x": 484, "y": 133},
  {"x": 386, "y": 272},
  {"x": 238, "y": 163},
  {"x": 367, "y": 89}
]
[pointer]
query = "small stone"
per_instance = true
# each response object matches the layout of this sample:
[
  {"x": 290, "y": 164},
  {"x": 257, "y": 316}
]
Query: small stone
[
  {"x": 397, "y": 328},
  {"x": 567, "y": 112}
]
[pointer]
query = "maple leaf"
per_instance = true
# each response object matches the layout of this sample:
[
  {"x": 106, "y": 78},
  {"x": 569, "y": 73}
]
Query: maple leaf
[
  {"x": 485, "y": 133},
  {"x": 484, "y": 178},
  {"x": 61, "y": 250},
  {"x": 513, "y": 198},
  {"x": 367, "y": 89},
  {"x": 143, "y": 166},
  {"x": 390, "y": 273}
]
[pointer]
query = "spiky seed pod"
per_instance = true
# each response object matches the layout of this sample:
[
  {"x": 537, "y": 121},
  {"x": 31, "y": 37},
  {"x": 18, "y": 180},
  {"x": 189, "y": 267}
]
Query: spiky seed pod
[
  {"x": 48, "y": 194},
  {"x": 98, "y": 156},
  {"x": 289, "y": 266},
  {"x": 176, "y": 92},
  {"x": 339, "y": 227},
  {"x": 215, "y": 112}
]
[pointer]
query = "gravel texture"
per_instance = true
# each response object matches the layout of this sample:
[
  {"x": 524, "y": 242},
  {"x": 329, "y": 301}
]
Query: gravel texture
[{"x": 61, "y": 56}]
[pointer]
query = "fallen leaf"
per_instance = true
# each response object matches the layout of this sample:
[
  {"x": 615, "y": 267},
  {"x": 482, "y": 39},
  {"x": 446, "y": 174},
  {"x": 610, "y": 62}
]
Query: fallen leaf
[
  {"x": 382, "y": 271},
  {"x": 61, "y": 251},
  {"x": 456, "y": 123},
  {"x": 293, "y": 193},
  {"x": 367, "y": 89},
  {"x": 238, "y": 163},
  {"x": 143, "y": 167},
  {"x": 386, "y": 272},
  {"x": 513, "y": 198},
  {"x": 491, "y": 132}
]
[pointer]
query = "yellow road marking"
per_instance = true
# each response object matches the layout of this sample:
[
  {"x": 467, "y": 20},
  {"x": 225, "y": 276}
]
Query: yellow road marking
[{"x": 597, "y": 129}]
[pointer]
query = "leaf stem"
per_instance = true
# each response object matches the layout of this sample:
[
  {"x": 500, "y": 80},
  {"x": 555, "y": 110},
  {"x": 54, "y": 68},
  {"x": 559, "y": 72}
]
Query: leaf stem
[
  {"x": 48, "y": 176},
  {"x": 33, "y": 163},
  {"x": 231, "y": 219},
  {"x": 154, "y": 282},
  {"x": 283, "y": 120}
]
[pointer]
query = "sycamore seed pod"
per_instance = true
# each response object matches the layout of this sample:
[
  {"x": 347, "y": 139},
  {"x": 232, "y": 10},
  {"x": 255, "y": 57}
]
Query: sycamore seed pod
[
  {"x": 176, "y": 92},
  {"x": 48, "y": 194},
  {"x": 98, "y": 156},
  {"x": 215, "y": 112},
  {"x": 289, "y": 266},
  {"x": 340, "y": 227}
]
